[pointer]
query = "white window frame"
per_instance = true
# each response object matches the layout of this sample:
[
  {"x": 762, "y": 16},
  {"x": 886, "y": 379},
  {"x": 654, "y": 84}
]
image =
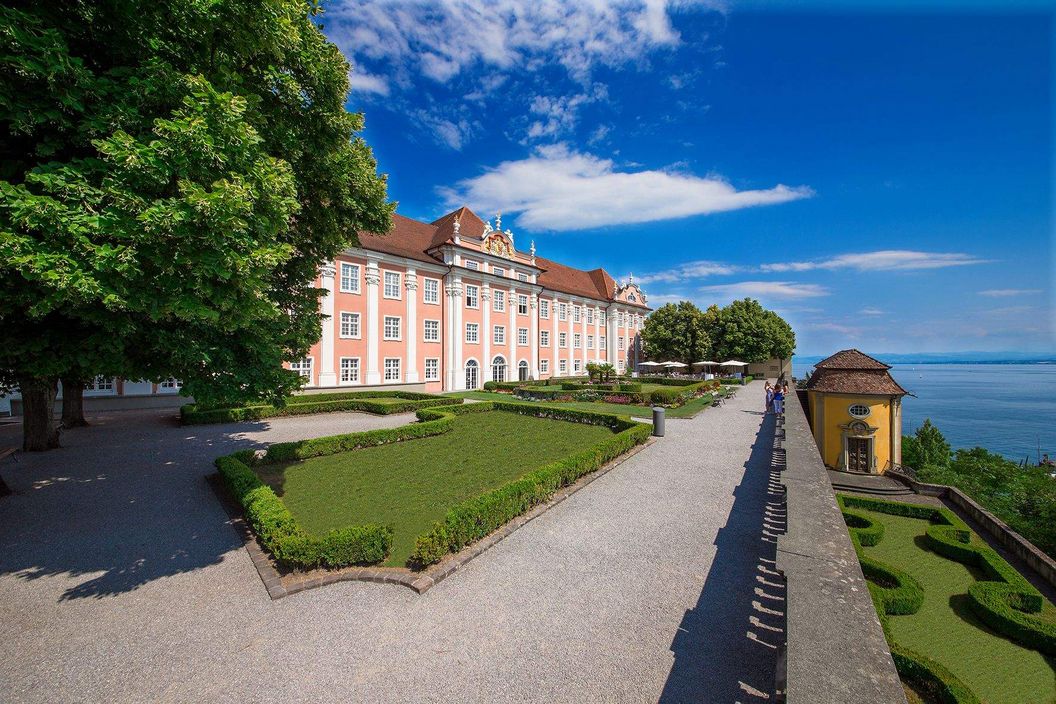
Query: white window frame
[
  {"x": 544, "y": 338},
  {"x": 425, "y": 330},
  {"x": 385, "y": 328},
  {"x": 399, "y": 369},
  {"x": 603, "y": 342},
  {"x": 590, "y": 342},
  {"x": 341, "y": 325},
  {"x": 498, "y": 335},
  {"x": 522, "y": 276},
  {"x": 601, "y": 317},
  {"x": 562, "y": 366},
  {"x": 386, "y": 277},
  {"x": 436, "y": 369},
  {"x": 562, "y": 340},
  {"x": 522, "y": 304},
  {"x": 544, "y": 308},
  {"x": 473, "y": 339},
  {"x": 471, "y": 264},
  {"x": 472, "y": 296},
  {"x": 498, "y": 271},
  {"x": 590, "y": 316},
  {"x": 544, "y": 366},
  {"x": 576, "y": 313},
  {"x": 341, "y": 371},
  {"x": 577, "y": 341},
  {"x": 619, "y": 341},
  {"x": 298, "y": 366},
  {"x": 522, "y": 337},
  {"x": 562, "y": 312},
  {"x": 577, "y": 366},
  {"x": 498, "y": 300},
  {"x": 433, "y": 300},
  {"x": 353, "y": 278},
  {"x": 169, "y": 385}
]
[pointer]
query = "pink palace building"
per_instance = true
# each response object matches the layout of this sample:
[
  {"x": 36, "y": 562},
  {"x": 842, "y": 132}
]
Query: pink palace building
[{"x": 452, "y": 304}]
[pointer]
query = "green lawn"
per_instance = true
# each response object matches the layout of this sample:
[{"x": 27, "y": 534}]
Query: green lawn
[
  {"x": 413, "y": 483},
  {"x": 690, "y": 409},
  {"x": 945, "y": 629}
]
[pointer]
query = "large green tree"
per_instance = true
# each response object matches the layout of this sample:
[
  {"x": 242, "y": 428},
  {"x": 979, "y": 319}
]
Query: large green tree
[
  {"x": 746, "y": 331},
  {"x": 173, "y": 174},
  {"x": 677, "y": 332}
]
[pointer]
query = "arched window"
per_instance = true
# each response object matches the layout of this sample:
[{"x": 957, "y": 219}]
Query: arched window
[
  {"x": 522, "y": 371},
  {"x": 472, "y": 374},
  {"x": 498, "y": 368}
]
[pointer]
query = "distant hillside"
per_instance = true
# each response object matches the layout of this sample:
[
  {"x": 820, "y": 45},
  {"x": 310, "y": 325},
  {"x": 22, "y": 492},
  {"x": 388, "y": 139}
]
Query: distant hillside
[{"x": 943, "y": 358}]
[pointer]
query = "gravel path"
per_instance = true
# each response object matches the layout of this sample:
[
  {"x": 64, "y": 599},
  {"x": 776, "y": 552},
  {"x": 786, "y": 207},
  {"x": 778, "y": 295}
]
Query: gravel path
[{"x": 120, "y": 580}]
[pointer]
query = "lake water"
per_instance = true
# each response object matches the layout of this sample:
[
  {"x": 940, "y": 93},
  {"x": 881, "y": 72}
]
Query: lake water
[{"x": 1006, "y": 408}]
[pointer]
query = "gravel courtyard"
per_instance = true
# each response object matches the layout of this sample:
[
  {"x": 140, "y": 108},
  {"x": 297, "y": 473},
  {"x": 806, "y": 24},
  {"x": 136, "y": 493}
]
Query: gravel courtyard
[{"x": 121, "y": 580}]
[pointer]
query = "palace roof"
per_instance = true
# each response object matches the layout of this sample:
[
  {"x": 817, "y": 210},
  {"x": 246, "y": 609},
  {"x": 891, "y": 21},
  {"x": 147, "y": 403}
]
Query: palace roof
[
  {"x": 419, "y": 241},
  {"x": 853, "y": 372}
]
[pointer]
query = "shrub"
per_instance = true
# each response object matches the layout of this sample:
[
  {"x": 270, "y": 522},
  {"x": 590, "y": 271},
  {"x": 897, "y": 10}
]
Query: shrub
[
  {"x": 938, "y": 683},
  {"x": 633, "y": 387},
  {"x": 321, "y": 403}
]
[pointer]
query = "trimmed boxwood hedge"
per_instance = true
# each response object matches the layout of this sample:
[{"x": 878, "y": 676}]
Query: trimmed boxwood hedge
[
  {"x": 475, "y": 518},
  {"x": 192, "y": 414},
  {"x": 931, "y": 678},
  {"x": 293, "y": 547},
  {"x": 1005, "y": 601}
]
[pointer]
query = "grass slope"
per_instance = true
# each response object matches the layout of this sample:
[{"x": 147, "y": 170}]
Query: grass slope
[
  {"x": 411, "y": 484},
  {"x": 945, "y": 629},
  {"x": 690, "y": 409}
]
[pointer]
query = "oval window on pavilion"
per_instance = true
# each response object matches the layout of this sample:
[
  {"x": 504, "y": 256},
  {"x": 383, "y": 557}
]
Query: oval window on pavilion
[{"x": 858, "y": 410}]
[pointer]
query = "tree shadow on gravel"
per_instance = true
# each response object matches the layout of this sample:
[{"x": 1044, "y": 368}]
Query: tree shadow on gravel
[
  {"x": 124, "y": 502},
  {"x": 726, "y": 646}
]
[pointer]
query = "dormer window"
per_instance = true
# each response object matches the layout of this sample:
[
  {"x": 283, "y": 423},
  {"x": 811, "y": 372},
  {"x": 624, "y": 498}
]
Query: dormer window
[
  {"x": 632, "y": 298},
  {"x": 498, "y": 271},
  {"x": 470, "y": 264}
]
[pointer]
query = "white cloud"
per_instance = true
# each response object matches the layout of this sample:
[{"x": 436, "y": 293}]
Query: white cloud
[
  {"x": 558, "y": 115},
  {"x": 870, "y": 311},
  {"x": 847, "y": 330},
  {"x": 881, "y": 260},
  {"x": 559, "y": 189},
  {"x": 766, "y": 290},
  {"x": 453, "y": 131},
  {"x": 689, "y": 270},
  {"x": 1009, "y": 292},
  {"x": 360, "y": 82}
]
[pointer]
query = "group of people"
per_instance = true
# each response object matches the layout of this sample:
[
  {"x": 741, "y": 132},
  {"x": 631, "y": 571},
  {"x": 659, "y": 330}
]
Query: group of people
[{"x": 775, "y": 397}]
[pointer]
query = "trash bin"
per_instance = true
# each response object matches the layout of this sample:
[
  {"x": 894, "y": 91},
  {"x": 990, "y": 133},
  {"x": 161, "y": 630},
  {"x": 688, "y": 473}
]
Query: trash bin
[{"x": 658, "y": 421}]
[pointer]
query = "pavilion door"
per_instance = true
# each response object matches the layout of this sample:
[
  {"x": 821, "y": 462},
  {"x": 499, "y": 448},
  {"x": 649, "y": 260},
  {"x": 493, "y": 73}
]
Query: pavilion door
[{"x": 858, "y": 451}]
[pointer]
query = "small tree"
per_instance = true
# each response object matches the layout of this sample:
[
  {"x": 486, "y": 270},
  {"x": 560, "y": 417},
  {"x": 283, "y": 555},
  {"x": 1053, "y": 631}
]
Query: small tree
[
  {"x": 678, "y": 332},
  {"x": 926, "y": 448}
]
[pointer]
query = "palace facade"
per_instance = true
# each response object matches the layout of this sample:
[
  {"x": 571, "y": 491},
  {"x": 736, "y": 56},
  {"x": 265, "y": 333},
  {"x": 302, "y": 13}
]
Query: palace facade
[{"x": 453, "y": 304}]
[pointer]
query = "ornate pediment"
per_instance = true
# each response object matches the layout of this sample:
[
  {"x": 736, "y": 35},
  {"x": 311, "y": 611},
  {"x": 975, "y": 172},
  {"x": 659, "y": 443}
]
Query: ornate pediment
[{"x": 498, "y": 244}]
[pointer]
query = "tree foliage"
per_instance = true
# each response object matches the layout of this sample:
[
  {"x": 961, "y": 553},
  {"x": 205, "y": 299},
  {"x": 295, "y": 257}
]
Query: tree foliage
[
  {"x": 926, "y": 447},
  {"x": 746, "y": 331},
  {"x": 676, "y": 331},
  {"x": 174, "y": 173}
]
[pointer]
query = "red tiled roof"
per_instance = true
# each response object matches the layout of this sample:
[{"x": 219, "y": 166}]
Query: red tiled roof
[
  {"x": 873, "y": 382},
  {"x": 413, "y": 239},
  {"x": 851, "y": 359}
]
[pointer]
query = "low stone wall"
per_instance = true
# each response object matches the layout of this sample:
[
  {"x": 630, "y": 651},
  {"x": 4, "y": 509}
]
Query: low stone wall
[
  {"x": 835, "y": 651},
  {"x": 1012, "y": 541},
  {"x": 94, "y": 404},
  {"x": 417, "y": 388}
]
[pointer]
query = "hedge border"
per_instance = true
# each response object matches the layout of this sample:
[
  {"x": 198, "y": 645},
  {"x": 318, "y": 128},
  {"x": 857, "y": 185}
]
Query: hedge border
[
  {"x": 192, "y": 414},
  {"x": 902, "y": 595},
  {"x": 293, "y": 547}
]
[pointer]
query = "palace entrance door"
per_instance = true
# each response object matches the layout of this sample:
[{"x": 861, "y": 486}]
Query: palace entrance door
[{"x": 858, "y": 451}]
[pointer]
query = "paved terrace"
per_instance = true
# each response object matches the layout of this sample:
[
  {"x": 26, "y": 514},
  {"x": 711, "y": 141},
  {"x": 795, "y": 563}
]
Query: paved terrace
[{"x": 121, "y": 580}]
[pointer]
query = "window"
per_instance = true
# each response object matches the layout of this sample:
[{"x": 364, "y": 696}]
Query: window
[
  {"x": 349, "y": 278},
  {"x": 562, "y": 339},
  {"x": 603, "y": 343},
  {"x": 498, "y": 369},
  {"x": 544, "y": 338},
  {"x": 472, "y": 374},
  {"x": 100, "y": 383},
  {"x": 522, "y": 371},
  {"x": 500, "y": 301},
  {"x": 522, "y": 305},
  {"x": 392, "y": 284},
  {"x": 498, "y": 271},
  {"x": 590, "y": 316},
  {"x": 590, "y": 342},
  {"x": 619, "y": 342},
  {"x": 562, "y": 367},
  {"x": 431, "y": 292},
  {"x": 470, "y": 264},
  {"x": 499, "y": 336},
  {"x": 544, "y": 308},
  {"x": 349, "y": 325},
  {"x": 577, "y": 366},
  {"x": 575, "y": 314},
  {"x": 432, "y": 331},
  {"x": 619, "y": 365},
  {"x": 392, "y": 369},
  {"x": 577, "y": 340},
  {"x": 562, "y": 312},
  {"x": 392, "y": 327},
  {"x": 521, "y": 276},
  {"x": 432, "y": 369},
  {"x": 303, "y": 367},
  {"x": 171, "y": 384},
  {"x": 859, "y": 410},
  {"x": 472, "y": 296},
  {"x": 522, "y": 336},
  {"x": 601, "y": 317},
  {"x": 349, "y": 370},
  {"x": 544, "y": 366},
  {"x": 472, "y": 333}
]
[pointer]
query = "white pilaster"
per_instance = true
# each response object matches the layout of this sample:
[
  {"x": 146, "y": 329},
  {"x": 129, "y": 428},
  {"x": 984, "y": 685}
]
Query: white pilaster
[
  {"x": 511, "y": 335},
  {"x": 583, "y": 336},
  {"x": 372, "y": 277},
  {"x": 451, "y": 337},
  {"x": 597, "y": 334},
  {"x": 610, "y": 337},
  {"x": 571, "y": 332},
  {"x": 533, "y": 334},
  {"x": 485, "y": 333},
  {"x": 460, "y": 374},
  {"x": 410, "y": 331},
  {"x": 554, "y": 349},
  {"x": 327, "y": 374}
]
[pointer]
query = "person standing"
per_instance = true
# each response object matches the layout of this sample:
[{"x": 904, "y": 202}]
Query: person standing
[
  {"x": 769, "y": 396},
  {"x": 779, "y": 400}
]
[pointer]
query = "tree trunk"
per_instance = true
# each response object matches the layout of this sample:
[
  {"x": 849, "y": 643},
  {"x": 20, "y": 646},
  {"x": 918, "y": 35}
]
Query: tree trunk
[
  {"x": 73, "y": 403},
  {"x": 39, "y": 431}
]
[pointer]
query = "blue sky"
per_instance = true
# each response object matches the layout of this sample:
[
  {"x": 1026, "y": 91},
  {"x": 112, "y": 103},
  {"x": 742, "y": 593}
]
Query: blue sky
[{"x": 882, "y": 178}]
